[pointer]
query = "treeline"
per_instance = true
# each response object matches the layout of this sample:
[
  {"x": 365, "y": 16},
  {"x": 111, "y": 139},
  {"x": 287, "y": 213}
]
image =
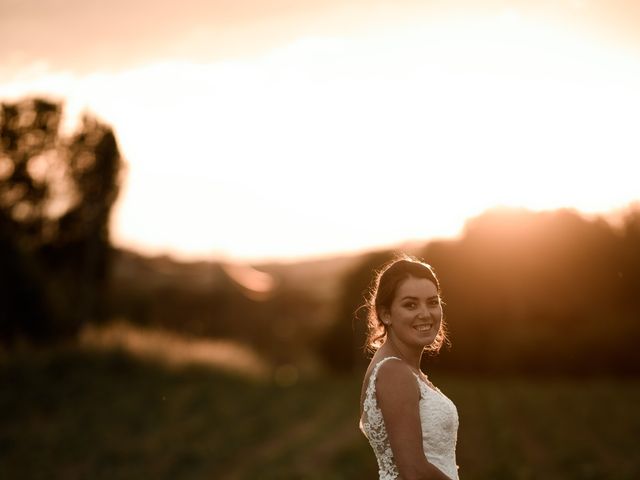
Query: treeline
[{"x": 545, "y": 293}]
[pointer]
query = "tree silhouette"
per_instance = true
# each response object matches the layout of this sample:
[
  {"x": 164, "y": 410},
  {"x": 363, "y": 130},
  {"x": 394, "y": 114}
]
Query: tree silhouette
[
  {"x": 540, "y": 292},
  {"x": 56, "y": 194}
]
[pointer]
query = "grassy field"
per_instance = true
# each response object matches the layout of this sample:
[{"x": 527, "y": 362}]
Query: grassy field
[{"x": 77, "y": 414}]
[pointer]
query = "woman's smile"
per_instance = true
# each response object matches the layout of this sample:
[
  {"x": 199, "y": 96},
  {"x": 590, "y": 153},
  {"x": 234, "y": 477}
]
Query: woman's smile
[{"x": 423, "y": 327}]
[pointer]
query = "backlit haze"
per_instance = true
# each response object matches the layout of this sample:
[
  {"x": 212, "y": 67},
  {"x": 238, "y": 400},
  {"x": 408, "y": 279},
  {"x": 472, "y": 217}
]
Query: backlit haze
[{"x": 263, "y": 130}]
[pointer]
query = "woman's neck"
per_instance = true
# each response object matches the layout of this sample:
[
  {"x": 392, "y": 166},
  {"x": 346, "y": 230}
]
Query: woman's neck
[{"x": 411, "y": 356}]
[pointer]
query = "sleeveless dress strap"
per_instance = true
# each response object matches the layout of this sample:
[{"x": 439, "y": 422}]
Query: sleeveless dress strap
[{"x": 374, "y": 373}]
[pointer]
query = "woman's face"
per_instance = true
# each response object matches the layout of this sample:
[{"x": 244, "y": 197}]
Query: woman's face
[{"x": 415, "y": 314}]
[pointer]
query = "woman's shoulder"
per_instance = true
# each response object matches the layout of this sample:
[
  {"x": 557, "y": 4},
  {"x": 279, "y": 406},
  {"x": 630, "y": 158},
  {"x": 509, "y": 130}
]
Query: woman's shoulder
[
  {"x": 393, "y": 372},
  {"x": 395, "y": 385},
  {"x": 377, "y": 364},
  {"x": 393, "y": 365}
]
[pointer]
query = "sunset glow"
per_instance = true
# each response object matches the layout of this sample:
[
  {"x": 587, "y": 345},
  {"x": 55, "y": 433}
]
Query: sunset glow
[{"x": 329, "y": 143}]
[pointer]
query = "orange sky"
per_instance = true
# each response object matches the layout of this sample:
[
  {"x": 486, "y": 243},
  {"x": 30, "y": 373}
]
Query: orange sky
[{"x": 277, "y": 129}]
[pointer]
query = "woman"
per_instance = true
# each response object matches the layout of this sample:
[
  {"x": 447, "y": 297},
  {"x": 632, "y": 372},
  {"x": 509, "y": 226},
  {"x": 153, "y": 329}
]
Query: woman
[{"x": 410, "y": 424}]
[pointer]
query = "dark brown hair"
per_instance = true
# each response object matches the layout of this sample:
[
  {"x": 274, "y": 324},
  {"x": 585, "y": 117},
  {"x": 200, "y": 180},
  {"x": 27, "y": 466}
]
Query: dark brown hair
[{"x": 382, "y": 292}]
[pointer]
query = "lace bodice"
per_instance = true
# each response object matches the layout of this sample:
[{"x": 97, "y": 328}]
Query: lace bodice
[{"x": 439, "y": 422}]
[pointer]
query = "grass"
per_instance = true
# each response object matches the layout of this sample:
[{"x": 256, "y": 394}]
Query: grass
[{"x": 73, "y": 413}]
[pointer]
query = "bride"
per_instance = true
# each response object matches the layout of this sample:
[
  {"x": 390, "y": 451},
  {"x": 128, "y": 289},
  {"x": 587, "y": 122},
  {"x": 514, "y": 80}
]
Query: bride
[{"x": 411, "y": 425}]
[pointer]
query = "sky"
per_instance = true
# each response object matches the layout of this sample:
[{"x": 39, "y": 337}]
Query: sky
[{"x": 257, "y": 130}]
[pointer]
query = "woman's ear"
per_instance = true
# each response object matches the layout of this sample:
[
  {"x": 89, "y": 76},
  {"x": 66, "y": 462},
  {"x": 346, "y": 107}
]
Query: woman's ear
[{"x": 385, "y": 316}]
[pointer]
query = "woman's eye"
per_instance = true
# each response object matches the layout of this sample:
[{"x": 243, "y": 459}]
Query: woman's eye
[{"x": 410, "y": 305}]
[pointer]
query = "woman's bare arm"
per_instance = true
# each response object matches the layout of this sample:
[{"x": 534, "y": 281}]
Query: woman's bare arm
[{"x": 398, "y": 396}]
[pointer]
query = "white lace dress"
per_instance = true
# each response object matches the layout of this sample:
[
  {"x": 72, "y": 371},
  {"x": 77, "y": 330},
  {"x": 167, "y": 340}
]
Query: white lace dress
[{"x": 439, "y": 421}]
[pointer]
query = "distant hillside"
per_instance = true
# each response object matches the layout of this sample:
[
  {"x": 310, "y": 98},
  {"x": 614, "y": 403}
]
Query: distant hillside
[
  {"x": 317, "y": 276},
  {"x": 152, "y": 273},
  {"x": 280, "y": 309},
  {"x": 322, "y": 277}
]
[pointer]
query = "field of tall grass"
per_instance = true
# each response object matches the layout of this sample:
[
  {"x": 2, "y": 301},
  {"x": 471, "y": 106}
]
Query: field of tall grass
[{"x": 81, "y": 412}]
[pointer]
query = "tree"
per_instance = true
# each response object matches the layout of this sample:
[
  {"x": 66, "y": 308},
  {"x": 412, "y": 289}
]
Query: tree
[{"x": 56, "y": 195}]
